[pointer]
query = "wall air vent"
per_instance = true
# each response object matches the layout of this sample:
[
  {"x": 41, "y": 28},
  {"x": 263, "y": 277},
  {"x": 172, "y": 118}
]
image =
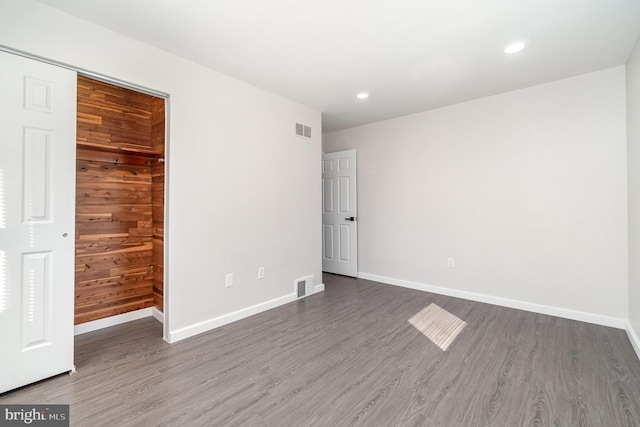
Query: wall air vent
[
  {"x": 303, "y": 130},
  {"x": 305, "y": 286},
  {"x": 302, "y": 288}
]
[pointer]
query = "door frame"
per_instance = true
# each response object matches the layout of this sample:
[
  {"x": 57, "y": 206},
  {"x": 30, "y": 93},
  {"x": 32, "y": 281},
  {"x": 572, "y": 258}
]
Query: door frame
[{"x": 167, "y": 158}]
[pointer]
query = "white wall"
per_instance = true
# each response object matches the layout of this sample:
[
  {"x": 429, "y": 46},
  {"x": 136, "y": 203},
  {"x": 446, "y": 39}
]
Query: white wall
[
  {"x": 633, "y": 153},
  {"x": 526, "y": 190},
  {"x": 244, "y": 191}
]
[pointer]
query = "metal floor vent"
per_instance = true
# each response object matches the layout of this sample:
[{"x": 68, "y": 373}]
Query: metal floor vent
[
  {"x": 305, "y": 286},
  {"x": 303, "y": 130},
  {"x": 302, "y": 288}
]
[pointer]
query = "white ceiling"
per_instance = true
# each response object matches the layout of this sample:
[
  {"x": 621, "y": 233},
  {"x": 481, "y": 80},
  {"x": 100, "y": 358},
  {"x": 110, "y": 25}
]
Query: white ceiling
[{"x": 411, "y": 55}]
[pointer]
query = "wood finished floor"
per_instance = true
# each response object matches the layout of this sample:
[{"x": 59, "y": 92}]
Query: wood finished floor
[{"x": 347, "y": 357}]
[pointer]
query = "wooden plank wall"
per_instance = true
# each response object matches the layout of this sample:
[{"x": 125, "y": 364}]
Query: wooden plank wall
[
  {"x": 113, "y": 116},
  {"x": 157, "y": 186},
  {"x": 116, "y": 163}
]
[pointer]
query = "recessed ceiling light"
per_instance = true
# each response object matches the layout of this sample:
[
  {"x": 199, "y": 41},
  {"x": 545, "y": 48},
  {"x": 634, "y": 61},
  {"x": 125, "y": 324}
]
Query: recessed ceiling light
[
  {"x": 362, "y": 95},
  {"x": 514, "y": 47}
]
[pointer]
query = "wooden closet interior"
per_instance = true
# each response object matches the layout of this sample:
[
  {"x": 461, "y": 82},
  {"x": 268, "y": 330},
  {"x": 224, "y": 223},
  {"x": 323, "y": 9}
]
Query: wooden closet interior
[{"x": 119, "y": 201}]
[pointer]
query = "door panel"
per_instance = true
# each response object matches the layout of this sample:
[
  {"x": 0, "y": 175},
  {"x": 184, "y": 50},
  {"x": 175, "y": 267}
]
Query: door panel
[
  {"x": 344, "y": 194},
  {"x": 36, "y": 270},
  {"x": 345, "y": 247},
  {"x": 36, "y": 166},
  {"x": 339, "y": 232},
  {"x": 37, "y": 208}
]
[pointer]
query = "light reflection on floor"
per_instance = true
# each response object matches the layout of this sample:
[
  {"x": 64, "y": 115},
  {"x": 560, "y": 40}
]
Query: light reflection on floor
[{"x": 437, "y": 324}]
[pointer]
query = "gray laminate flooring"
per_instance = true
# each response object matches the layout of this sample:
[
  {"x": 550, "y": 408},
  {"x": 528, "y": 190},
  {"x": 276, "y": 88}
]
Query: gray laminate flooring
[{"x": 348, "y": 356}]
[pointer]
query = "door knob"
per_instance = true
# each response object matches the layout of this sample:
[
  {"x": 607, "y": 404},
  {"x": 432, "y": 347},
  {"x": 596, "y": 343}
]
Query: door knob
[{"x": 351, "y": 218}]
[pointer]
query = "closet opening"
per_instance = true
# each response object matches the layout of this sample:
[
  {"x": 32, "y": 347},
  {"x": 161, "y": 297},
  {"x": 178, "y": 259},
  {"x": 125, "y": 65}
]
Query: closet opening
[{"x": 120, "y": 152}]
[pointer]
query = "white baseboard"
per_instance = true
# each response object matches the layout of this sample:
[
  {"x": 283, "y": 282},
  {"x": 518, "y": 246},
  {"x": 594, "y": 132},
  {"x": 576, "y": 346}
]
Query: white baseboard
[
  {"x": 225, "y": 319},
  {"x": 566, "y": 313},
  {"x": 189, "y": 331},
  {"x": 157, "y": 314},
  {"x": 94, "y": 325},
  {"x": 633, "y": 337}
]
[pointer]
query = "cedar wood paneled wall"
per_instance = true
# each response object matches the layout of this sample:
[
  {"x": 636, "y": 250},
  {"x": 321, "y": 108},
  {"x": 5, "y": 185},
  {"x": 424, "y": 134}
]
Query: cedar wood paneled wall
[
  {"x": 157, "y": 201},
  {"x": 119, "y": 201}
]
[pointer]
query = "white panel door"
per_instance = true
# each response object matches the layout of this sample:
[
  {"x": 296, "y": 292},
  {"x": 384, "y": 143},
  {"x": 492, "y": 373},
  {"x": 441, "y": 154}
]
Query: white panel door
[
  {"x": 37, "y": 219},
  {"x": 339, "y": 213}
]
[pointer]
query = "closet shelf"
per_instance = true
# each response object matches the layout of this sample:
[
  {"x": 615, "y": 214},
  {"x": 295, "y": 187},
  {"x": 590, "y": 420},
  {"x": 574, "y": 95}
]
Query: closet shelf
[{"x": 119, "y": 150}]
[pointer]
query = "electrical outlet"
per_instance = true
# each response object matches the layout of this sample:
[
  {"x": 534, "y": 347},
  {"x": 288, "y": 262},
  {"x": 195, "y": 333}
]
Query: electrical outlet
[
  {"x": 450, "y": 263},
  {"x": 261, "y": 273},
  {"x": 228, "y": 280}
]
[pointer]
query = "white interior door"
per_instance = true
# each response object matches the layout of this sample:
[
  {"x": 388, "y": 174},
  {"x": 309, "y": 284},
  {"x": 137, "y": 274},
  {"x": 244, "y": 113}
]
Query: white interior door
[
  {"x": 37, "y": 219},
  {"x": 339, "y": 213}
]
